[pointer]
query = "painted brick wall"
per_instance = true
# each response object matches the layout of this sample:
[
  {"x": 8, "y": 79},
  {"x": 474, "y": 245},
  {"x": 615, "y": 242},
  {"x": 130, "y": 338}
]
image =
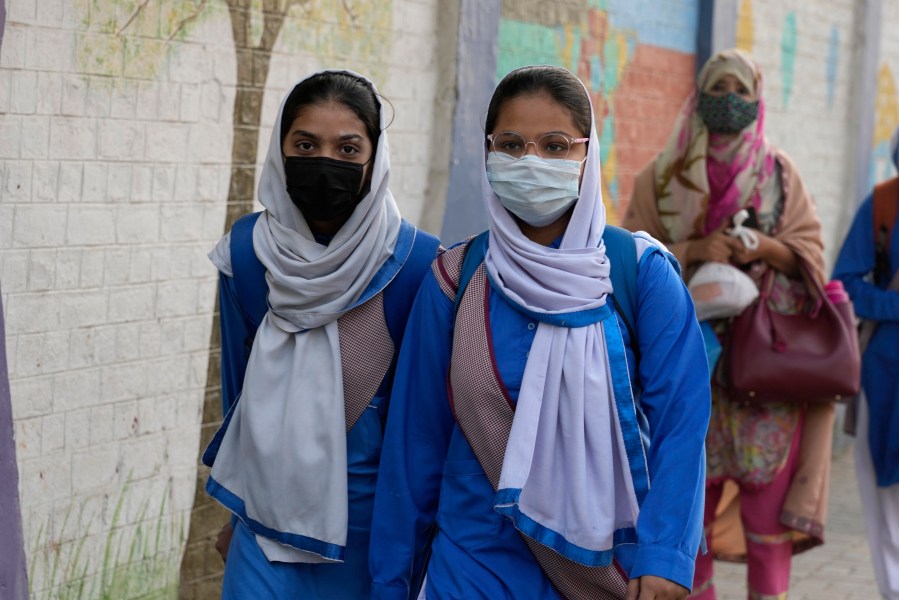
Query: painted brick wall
[
  {"x": 113, "y": 173},
  {"x": 804, "y": 50},
  {"x": 637, "y": 59},
  {"x": 886, "y": 117},
  {"x": 116, "y": 130}
]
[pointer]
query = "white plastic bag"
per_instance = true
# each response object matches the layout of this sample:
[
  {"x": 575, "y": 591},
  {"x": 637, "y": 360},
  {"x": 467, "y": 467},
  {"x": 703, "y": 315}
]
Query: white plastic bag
[{"x": 720, "y": 290}]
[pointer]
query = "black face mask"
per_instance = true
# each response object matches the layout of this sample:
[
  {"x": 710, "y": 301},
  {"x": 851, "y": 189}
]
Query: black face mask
[{"x": 322, "y": 188}]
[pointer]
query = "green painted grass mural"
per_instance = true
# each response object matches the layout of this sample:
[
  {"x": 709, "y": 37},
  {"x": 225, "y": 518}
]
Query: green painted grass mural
[{"x": 133, "y": 562}]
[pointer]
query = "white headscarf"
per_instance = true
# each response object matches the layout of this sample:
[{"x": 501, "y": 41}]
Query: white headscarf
[
  {"x": 284, "y": 452},
  {"x": 565, "y": 479}
]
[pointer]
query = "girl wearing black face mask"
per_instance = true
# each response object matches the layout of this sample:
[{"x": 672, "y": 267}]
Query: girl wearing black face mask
[
  {"x": 328, "y": 144},
  {"x": 314, "y": 295},
  {"x": 717, "y": 162}
]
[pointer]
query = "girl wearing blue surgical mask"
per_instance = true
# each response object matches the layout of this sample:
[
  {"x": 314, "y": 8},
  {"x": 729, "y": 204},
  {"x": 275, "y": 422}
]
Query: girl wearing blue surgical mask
[
  {"x": 546, "y": 432},
  {"x": 314, "y": 293}
]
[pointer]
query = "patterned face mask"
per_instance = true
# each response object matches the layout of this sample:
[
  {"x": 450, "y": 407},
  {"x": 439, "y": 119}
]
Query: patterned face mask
[{"x": 726, "y": 114}]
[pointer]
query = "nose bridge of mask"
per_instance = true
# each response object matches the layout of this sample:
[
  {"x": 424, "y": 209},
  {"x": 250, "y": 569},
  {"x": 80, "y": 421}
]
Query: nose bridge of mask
[
  {"x": 536, "y": 190},
  {"x": 503, "y": 167}
]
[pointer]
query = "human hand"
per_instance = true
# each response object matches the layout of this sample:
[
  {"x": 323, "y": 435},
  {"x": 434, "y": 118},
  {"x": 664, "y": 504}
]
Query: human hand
[
  {"x": 650, "y": 587},
  {"x": 223, "y": 540},
  {"x": 715, "y": 247},
  {"x": 743, "y": 255}
]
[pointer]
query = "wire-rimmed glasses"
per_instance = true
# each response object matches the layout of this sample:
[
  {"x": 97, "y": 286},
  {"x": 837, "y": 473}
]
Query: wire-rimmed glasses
[{"x": 550, "y": 145}]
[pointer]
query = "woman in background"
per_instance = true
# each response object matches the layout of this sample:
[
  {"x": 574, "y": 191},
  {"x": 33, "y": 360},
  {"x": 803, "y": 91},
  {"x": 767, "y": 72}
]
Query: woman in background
[{"x": 717, "y": 161}]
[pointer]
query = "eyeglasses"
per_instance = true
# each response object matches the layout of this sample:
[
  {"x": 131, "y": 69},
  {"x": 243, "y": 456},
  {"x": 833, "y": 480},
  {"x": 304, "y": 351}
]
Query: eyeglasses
[{"x": 551, "y": 145}]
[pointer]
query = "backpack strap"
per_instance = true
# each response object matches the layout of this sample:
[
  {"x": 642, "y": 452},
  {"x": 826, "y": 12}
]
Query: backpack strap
[
  {"x": 249, "y": 275},
  {"x": 622, "y": 252},
  {"x": 472, "y": 257},
  {"x": 400, "y": 293},
  {"x": 886, "y": 209}
]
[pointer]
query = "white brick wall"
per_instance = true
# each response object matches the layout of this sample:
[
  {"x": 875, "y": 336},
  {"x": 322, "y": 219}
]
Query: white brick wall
[
  {"x": 813, "y": 132},
  {"x": 112, "y": 190},
  {"x": 408, "y": 84},
  {"x": 114, "y": 170}
]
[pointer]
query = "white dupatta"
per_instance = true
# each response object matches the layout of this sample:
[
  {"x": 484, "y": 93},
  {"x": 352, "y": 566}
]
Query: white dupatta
[
  {"x": 282, "y": 463},
  {"x": 566, "y": 480}
]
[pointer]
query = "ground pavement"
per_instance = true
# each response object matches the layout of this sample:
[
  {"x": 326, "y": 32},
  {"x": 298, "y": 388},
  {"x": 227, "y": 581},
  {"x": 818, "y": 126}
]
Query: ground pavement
[{"x": 838, "y": 570}]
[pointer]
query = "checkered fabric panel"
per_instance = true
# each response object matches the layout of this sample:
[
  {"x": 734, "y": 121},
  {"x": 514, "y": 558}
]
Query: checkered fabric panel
[{"x": 366, "y": 351}]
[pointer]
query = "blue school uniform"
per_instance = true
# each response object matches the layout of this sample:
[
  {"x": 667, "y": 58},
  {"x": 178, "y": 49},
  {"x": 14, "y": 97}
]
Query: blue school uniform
[
  {"x": 432, "y": 487},
  {"x": 880, "y": 363},
  {"x": 248, "y": 573}
]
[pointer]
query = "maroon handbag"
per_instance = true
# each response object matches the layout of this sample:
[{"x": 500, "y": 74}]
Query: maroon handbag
[{"x": 811, "y": 356}]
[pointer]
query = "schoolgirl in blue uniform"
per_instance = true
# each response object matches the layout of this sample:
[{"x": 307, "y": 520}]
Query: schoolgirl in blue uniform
[
  {"x": 546, "y": 431},
  {"x": 868, "y": 265},
  {"x": 314, "y": 292}
]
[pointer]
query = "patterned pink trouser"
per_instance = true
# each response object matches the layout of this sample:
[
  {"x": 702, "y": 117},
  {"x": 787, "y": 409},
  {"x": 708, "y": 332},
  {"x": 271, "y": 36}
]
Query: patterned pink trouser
[{"x": 769, "y": 549}]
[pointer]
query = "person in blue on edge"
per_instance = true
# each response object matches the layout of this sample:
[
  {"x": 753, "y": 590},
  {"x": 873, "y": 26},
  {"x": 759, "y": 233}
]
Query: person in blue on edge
[
  {"x": 868, "y": 266},
  {"x": 315, "y": 291},
  {"x": 541, "y": 449}
]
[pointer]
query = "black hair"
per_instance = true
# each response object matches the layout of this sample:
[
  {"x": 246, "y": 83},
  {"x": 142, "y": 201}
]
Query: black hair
[
  {"x": 559, "y": 83},
  {"x": 351, "y": 91}
]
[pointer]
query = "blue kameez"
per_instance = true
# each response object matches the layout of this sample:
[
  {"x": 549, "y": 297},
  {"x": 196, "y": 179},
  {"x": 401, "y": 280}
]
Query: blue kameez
[
  {"x": 429, "y": 472},
  {"x": 248, "y": 573},
  {"x": 880, "y": 363}
]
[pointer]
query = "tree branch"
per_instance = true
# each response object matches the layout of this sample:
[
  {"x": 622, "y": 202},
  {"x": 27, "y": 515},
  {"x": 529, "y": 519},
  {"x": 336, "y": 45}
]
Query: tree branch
[
  {"x": 186, "y": 20},
  {"x": 137, "y": 11},
  {"x": 349, "y": 11},
  {"x": 271, "y": 26}
]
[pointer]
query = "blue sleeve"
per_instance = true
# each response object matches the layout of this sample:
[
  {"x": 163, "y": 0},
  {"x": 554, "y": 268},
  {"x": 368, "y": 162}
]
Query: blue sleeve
[
  {"x": 855, "y": 264},
  {"x": 234, "y": 338},
  {"x": 676, "y": 400},
  {"x": 419, "y": 427}
]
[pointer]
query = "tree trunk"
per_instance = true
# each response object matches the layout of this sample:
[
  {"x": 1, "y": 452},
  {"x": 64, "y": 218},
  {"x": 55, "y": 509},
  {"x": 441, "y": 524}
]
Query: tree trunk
[{"x": 201, "y": 566}]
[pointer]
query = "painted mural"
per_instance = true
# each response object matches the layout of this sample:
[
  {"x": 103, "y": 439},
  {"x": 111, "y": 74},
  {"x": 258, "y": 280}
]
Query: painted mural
[
  {"x": 638, "y": 72},
  {"x": 886, "y": 119},
  {"x": 832, "y": 64},
  {"x": 129, "y": 543},
  {"x": 788, "y": 43},
  {"x": 745, "y": 27}
]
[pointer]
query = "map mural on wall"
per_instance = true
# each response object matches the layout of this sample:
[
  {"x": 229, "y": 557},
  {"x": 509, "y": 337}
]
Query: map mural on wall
[
  {"x": 745, "y": 27},
  {"x": 638, "y": 72},
  {"x": 788, "y": 44}
]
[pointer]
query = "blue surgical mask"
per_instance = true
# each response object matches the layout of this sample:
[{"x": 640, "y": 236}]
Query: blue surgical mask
[{"x": 536, "y": 190}]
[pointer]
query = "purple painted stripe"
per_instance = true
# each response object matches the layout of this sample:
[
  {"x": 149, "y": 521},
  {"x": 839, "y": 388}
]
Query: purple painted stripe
[
  {"x": 476, "y": 53},
  {"x": 13, "y": 581}
]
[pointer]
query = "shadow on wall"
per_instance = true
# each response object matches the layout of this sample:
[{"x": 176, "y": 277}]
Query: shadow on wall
[{"x": 13, "y": 582}]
